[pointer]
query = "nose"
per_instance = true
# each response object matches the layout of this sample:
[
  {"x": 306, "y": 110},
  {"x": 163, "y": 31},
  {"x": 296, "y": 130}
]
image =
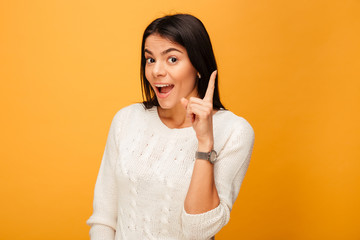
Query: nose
[{"x": 159, "y": 69}]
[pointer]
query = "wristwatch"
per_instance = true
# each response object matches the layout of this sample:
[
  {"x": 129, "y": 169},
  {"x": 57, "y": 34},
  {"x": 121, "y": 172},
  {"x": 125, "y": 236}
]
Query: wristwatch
[{"x": 210, "y": 156}]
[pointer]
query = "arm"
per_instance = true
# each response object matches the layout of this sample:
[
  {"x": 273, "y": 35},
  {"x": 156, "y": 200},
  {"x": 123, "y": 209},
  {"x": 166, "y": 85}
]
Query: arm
[
  {"x": 202, "y": 195},
  {"x": 228, "y": 173},
  {"x": 213, "y": 189},
  {"x": 104, "y": 217}
]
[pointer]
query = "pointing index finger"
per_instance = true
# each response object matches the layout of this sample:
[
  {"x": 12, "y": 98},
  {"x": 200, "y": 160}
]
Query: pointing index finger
[{"x": 211, "y": 87}]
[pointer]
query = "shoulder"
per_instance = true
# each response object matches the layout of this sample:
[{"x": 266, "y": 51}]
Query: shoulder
[
  {"x": 228, "y": 125},
  {"x": 226, "y": 119},
  {"x": 129, "y": 113},
  {"x": 133, "y": 110}
]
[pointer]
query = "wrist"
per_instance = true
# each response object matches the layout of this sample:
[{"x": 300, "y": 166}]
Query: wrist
[{"x": 205, "y": 147}]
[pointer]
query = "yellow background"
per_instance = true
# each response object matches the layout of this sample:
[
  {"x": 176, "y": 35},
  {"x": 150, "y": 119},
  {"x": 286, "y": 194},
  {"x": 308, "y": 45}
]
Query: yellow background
[{"x": 291, "y": 68}]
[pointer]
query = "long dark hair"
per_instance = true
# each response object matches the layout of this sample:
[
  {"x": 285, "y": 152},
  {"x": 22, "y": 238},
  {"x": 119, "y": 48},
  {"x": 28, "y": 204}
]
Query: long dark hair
[{"x": 189, "y": 32}]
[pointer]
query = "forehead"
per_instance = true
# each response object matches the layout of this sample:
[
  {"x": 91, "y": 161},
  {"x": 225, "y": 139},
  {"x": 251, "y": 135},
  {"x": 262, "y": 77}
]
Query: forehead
[{"x": 156, "y": 42}]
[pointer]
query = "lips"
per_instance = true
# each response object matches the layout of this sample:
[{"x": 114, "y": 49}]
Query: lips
[{"x": 163, "y": 90}]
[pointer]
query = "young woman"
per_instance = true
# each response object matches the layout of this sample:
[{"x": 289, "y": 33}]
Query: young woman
[{"x": 173, "y": 165}]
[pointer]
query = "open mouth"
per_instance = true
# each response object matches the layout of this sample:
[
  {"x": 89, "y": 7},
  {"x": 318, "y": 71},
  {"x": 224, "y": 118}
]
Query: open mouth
[{"x": 164, "y": 89}]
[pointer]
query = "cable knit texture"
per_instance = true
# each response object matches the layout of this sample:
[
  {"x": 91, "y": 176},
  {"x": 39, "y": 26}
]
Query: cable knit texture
[{"x": 146, "y": 171}]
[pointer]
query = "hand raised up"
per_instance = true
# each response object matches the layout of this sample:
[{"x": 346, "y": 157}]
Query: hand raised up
[{"x": 201, "y": 111}]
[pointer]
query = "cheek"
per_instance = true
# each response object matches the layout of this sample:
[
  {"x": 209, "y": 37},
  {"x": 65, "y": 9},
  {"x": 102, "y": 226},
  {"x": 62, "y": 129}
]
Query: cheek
[
  {"x": 148, "y": 75},
  {"x": 187, "y": 73},
  {"x": 190, "y": 76}
]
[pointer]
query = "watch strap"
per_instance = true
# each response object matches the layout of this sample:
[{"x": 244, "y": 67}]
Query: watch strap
[
  {"x": 209, "y": 156},
  {"x": 202, "y": 155}
]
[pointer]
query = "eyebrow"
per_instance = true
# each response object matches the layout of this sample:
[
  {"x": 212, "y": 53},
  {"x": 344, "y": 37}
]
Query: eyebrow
[{"x": 164, "y": 52}]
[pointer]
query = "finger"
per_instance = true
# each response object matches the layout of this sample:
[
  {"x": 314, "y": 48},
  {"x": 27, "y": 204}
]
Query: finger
[
  {"x": 211, "y": 86},
  {"x": 200, "y": 111},
  {"x": 195, "y": 100},
  {"x": 198, "y": 101}
]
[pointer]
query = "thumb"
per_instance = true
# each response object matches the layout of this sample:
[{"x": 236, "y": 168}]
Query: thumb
[{"x": 184, "y": 102}]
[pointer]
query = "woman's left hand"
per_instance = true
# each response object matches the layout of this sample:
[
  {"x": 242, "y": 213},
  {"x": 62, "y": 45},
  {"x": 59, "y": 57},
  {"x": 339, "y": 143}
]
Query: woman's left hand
[{"x": 200, "y": 111}]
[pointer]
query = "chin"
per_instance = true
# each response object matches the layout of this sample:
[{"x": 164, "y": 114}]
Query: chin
[{"x": 166, "y": 104}]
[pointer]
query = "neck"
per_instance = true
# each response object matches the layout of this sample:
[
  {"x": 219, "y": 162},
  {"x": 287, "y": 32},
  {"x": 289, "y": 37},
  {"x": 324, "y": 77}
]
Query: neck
[{"x": 174, "y": 117}]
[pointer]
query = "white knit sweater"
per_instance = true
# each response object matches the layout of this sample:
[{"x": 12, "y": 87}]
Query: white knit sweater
[{"x": 146, "y": 171}]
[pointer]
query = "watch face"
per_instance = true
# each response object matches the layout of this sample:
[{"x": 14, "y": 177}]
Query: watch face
[{"x": 213, "y": 156}]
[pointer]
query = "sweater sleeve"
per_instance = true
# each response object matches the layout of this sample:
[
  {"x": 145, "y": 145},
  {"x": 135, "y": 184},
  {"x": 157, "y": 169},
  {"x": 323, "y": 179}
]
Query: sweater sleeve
[
  {"x": 229, "y": 171},
  {"x": 104, "y": 218}
]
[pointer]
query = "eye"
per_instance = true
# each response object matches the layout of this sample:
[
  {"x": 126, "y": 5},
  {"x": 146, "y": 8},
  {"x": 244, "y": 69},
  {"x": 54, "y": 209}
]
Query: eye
[
  {"x": 172, "y": 60},
  {"x": 150, "y": 60}
]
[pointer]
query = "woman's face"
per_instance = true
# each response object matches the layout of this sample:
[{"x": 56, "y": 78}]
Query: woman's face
[{"x": 169, "y": 71}]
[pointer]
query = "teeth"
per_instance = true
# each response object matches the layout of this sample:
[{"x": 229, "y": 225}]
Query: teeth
[{"x": 162, "y": 85}]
